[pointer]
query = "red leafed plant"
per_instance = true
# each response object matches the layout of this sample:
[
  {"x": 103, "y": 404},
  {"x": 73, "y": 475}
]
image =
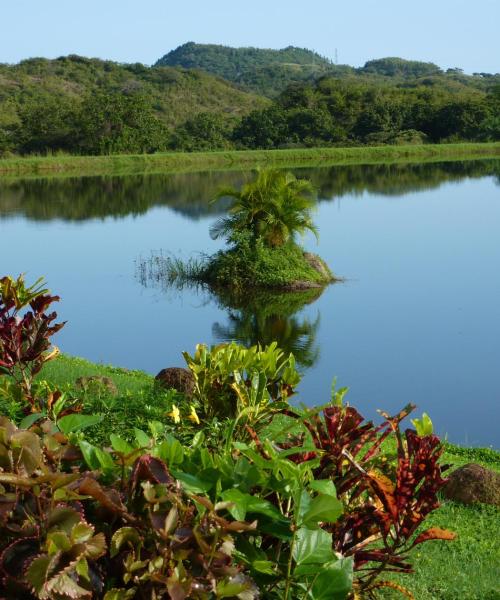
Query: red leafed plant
[
  {"x": 386, "y": 499},
  {"x": 25, "y": 331}
]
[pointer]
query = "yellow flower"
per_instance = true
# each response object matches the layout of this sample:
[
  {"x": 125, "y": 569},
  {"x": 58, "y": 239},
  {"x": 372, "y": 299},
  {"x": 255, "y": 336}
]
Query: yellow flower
[
  {"x": 193, "y": 416},
  {"x": 175, "y": 414}
]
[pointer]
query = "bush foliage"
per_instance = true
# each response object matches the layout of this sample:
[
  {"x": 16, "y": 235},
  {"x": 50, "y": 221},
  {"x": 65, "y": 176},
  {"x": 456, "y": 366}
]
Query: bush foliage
[{"x": 234, "y": 493}]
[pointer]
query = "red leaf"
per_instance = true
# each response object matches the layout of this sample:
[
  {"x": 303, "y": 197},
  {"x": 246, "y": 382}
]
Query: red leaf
[{"x": 434, "y": 533}]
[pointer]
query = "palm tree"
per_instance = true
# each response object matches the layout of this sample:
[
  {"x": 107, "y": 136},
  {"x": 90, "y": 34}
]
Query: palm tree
[{"x": 275, "y": 206}]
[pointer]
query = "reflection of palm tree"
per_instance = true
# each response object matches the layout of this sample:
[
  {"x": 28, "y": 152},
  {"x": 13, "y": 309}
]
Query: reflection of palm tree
[{"x": 268, "y": 317}]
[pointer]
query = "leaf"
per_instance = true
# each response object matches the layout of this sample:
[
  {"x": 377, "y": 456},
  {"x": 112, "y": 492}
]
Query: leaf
[
  {"x": 120, "y": 445},
  {"x": 323, "y": 508},
  {"x": 170, "y": 451},
  {"x": 124, "y": 535},
  {"x": 312, "y": 546},
  {"x": 37, "y": 572},
  {"x": 246, "y": 503},
  {"x": 264, "y": 566},
  {"x": 333, "y": 581},
  {"x": 191, "y": 483},
  {"x": 434, "y": 533},
  {"x": 142, "y": 438},
  {"x": 29, "y": 420},
  {"x": 119, "y": 594},
  {"x": 324, "y": 486},
  {"x": 89, "y": 454},
  {"x": 75, "y": 422}
]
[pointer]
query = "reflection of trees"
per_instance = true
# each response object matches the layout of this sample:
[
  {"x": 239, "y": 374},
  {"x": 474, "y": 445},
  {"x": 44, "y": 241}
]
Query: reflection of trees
[
  {"x": 266, "y": 317},
  {"x": 394, "y": 179},
  {"x": 82, "y": 198}
]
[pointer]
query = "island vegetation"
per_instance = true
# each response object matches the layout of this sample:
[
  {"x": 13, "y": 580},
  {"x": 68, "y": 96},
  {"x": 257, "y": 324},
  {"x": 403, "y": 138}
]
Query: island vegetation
[{"x": 261, "y": 227}]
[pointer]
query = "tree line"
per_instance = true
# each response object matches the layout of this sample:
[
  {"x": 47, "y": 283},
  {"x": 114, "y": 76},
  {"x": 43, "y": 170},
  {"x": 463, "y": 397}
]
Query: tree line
[{"x": 328, "y": 112}]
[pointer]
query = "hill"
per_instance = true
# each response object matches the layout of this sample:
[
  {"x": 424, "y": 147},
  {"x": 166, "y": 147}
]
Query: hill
[
  {"x": 173, "y": 94},
  {"x": 261, "y": 70},
  {"x": 269, "y": 72}
]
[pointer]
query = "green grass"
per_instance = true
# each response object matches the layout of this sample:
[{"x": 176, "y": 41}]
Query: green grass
[
  {"x": 465, "y": 569},
  {"x": 180, "y": 161},
  {"x": 66, "y": 370}
]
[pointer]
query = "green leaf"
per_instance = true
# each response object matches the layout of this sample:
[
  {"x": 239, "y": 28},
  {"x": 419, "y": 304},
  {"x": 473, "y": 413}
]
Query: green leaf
[
  {"x": 90, "y": 455},
  {"x": 264, "y": 566},
  {"x": 28, "y": 421},
  {"x": 74, "y": 422},
  {"x": 333, "y": 581},
  {"x": 191, "y": 483},
  {"x": 124, "y": 535},
  {"x": 142, "y": 438},
  {"x": 323, "y": 509},
  {"x": 170, "y": 451},
  {"x": 312, "y": 546},
  {"x": 37, "y": 572},
  {"x": 324, "y": 486},
  {"x": 246, "y": 503},
  {"x": 120, "y": 445}
]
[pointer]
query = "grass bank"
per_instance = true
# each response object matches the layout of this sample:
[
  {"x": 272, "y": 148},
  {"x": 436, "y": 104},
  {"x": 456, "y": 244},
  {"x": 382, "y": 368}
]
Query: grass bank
[
  {"x": 196, "y": 161},
  {"x": 466, "y": 568}
]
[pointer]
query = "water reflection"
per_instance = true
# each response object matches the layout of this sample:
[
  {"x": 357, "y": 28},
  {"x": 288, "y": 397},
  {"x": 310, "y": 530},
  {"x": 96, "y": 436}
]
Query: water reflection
[
  {"x": 265, "y": 317},
  {"x": 82, "y": 199}
]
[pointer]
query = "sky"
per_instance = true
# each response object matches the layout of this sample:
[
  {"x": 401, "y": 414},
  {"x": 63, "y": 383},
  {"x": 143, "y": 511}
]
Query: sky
[{"x": 451, "y": 33}]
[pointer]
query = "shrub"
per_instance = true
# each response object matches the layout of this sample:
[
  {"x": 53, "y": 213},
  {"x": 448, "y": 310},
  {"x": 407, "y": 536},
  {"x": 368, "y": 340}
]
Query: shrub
[{"x": 25, "y": 334}]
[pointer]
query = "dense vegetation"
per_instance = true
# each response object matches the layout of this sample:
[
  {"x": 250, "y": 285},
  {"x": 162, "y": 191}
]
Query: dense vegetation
[
  {"x": 228, "y": 492},
  {"x": 264, "y": 219},
  {"x": 83, "y": 105},
  {"x": 269, "y": 72},
  {"x": 263, "y": 71},
  {"x": 88, "y": 106}
]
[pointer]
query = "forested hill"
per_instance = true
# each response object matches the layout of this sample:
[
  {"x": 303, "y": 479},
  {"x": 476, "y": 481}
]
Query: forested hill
[
  {"x": 269, "y": 72},
  {"x": 42, "y": 100},
  {"x": 90, "y": 106},
  {"x": 261, "y": 70}
]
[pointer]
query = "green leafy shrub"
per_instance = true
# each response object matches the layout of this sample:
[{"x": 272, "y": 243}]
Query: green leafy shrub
[
  {"x": 231, "y": 380},
  {"x": 250, "y": 264}
]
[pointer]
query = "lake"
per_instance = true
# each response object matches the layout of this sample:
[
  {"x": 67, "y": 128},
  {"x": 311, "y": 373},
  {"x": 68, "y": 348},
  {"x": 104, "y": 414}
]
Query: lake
[{"x": 417, "y": 318}]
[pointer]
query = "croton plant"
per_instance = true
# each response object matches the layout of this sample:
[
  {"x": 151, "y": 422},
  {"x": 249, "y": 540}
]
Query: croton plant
[{"x": 290, "y": 504}]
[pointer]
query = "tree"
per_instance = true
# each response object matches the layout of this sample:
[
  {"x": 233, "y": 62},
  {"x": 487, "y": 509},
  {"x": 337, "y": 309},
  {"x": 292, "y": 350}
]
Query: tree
[
  {"x": 46, "y": 123},
  {"x": 113, "y": 122},
  {"x": 263, "y": 129},
  {"x": 274, "y": 207},
  {"x": 205, "y": 131}
]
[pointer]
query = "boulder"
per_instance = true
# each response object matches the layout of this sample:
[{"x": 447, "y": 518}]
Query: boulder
[
  {"x": 97, "y": 381},
  {"x": 473, "y": 483},
  {"x": 319, "y": 265},
  {"x": 178, "y": 379}
]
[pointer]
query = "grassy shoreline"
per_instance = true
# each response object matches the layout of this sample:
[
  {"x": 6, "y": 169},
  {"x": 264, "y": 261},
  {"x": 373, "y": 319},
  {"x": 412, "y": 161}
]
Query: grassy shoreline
[
  {"x": 181, "y": 161},
  {"x": 465, "y": 568}
]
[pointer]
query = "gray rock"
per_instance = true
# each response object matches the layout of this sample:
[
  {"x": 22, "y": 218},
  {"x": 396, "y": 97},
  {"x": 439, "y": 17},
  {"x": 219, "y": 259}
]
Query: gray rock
[
  {"x": 178, "y": 379},
  {"x": 97, "y": 381},
  {"x": 473, "y": 483}
]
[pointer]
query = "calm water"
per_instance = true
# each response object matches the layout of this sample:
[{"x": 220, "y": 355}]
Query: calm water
[{"x": 418, "y": 318}]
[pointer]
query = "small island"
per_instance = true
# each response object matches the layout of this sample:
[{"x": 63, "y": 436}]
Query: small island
[{"x": 261, "y": 229}]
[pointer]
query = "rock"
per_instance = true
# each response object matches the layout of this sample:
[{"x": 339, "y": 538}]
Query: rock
[
  {"x": 473, "y": 483},
  {"x": 318, "y": 265},
  {"x": 94, "y": 381},
  {"x": 178, "y": 379}
]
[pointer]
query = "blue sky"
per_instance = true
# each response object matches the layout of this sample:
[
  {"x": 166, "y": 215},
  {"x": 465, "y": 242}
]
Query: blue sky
[{"x": 451, "y": 33}]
